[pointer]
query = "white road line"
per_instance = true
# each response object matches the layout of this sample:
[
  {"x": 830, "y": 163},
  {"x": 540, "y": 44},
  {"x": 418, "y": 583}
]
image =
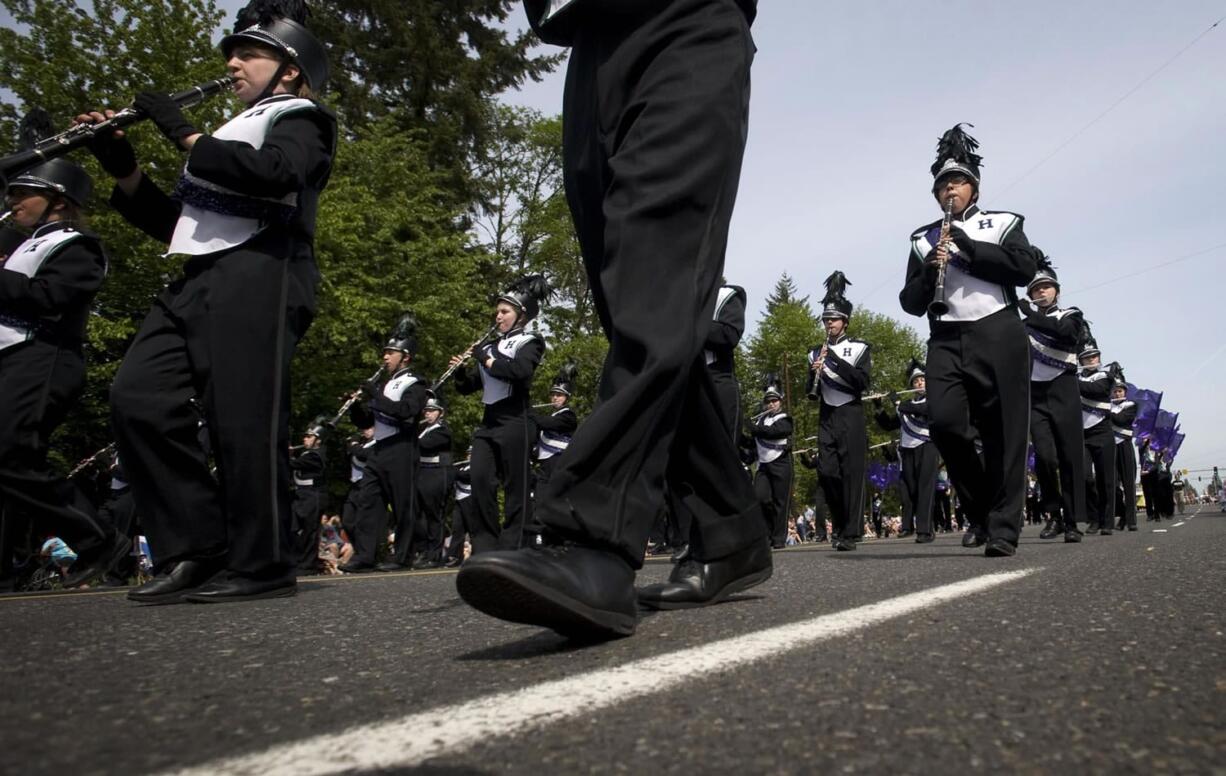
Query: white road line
[
  {"x": 414, "y": 739},
  {"x": 1176, "y": 525}
]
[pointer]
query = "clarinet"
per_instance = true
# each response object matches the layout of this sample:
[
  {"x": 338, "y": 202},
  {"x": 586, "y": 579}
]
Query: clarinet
[
  {"x": 352, "y": 400},
  {"x": 938, "y": 306},
  {"x": 58, "y": 145},
  {"x": 467, "y": 355}
]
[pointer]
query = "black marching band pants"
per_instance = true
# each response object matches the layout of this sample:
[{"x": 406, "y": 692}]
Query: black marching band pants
[
  {"x": 500, "y": 455},
  {"x": 39, "y": 382},
  {"x": 308, "y": 507},
  {"x": 1059, "y": 448},
  {"x": 462, "y": 516},
  {"x": 433, "y": 489},
  {"x": 1126, "y": 483},
  {"x": 1099, "y": 482},
  {"x": 223, "y": 333},
  {"x": 390, "y": 481},
  {"x": 979, "y": 381},
  {"x": 656, "y": 112},
  {"x": 773, "y": 485},
  {"x": 842, "y": 457},
  {"x": 919, "y": 484}
]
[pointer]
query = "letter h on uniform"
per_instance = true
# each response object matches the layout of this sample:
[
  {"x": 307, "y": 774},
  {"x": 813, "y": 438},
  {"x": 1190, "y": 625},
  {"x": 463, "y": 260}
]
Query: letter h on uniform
[{"x": 985, "y": 223}]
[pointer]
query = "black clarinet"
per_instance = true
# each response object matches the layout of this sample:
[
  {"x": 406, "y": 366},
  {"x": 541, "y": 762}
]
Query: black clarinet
[
  {"x": 938, "y": 306},
  {"x": 56, "y": 146}
]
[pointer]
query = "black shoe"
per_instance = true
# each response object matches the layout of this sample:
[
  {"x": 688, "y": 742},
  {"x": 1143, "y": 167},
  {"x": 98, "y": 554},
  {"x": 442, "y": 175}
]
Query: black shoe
[
  {"x": 683, "y": 552},
  {"x": 232, "y": 586},
  {"x": 1105, "y": 532},
  {"x": 844, "y": 545},
  {"x": 1050, "y": 530},
  {"x": 905, "y": 534},
  {"x": 999, "y": 548},
  {"x": 701, "y": 583},
  {"x": 453, "y": 562},
  {"x": 426, "y": 563},
  {"x": 90, "y": 566},
  {"x": 778, "y": 546},
  {"x": 353, "y": 567},
  {"x": 1072, "y": 536},
  {"x": 923, "y": 538},
  {"x": 580, "y": 592},
  {"x": 1091, "y": 529},
  {"x": 820, "y": 539},
  {"x": 1132, "y": 528},
  {"x": 392, "y": 565},
  {"x": 973, "y": 538},
  {"x": 171, "y": 586}
]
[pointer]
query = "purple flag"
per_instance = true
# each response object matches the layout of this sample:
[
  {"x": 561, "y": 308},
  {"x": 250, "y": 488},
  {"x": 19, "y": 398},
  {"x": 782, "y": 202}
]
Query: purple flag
[
  {"x": 1148, "y": 403},
  {"x": 1164, "y": 428},
  {"x": 1173, "y": 450}
]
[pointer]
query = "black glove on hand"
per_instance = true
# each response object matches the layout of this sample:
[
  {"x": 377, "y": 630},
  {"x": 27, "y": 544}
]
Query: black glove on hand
[
  {"x": 115, "y": 154},
  {"x": 1026, "y": 307},
  {"x": 163, "y": 112},
  {"x": 892, "y": 398}
]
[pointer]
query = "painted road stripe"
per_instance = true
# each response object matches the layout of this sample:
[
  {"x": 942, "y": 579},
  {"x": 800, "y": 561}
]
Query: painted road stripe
[
  {"x": 1176, "y": 525},
  {"x": 412, "y": 740}
]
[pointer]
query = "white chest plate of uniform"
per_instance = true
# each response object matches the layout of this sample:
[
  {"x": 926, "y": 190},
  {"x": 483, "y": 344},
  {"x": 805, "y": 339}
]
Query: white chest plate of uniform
[
  {"x": 770, "y": 449},
  {"x": 200, "y": 231},
  {"x": 394, "y": 389},
  {"x": 551, "y": 443},
  {"x": 357, "y": 469},
  {"x": 969, "y": 298},
  {"x": 1122, "y": 433},
  {"x": 835, "y": 390},
  {"x": 914, "y": 429},
  {"x": 495, "y": 389},
  {"x": 427, "y": 430},
  {"x": 1094, "y": 412},
  {"x": 463, "y": 489},
  {"x": 1050, "y": 359},
  {"x": 27, "y": 259}
]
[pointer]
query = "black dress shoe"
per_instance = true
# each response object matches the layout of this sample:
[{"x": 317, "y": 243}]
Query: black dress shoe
[
  {"x": 973, "y": 538},
  {"x": 683, "y": 552},
  {"x": 1132, "y": 528},
  {"x": 999, "y": 548},
  {"x": 89, "y": 567},
  {"x": 171, "y": 586},
  {"x": 1091, "y": 529},
  {"x": 232, "y": 586},
  {"x": 1051, "y": 529},
  {"x": 923, "y": 538},
  {"x": 700, "y": 583},
  {"x": 1105, "y": 532},
  {"x": 905, "y": 534},
  {"x": 844, "y": 545},
  {"x": 1072, "y": 536},
  {"x": 580, "y": 592},
  {"x": 356, "y": 568},
  {"x": 392, "y": 565},
  {"x": 452, "y": 562}
]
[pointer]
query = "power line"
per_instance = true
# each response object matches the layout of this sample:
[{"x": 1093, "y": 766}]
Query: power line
[
  {"x": 1111, "y": 107},
  {"x": 1117, "y": 279}
]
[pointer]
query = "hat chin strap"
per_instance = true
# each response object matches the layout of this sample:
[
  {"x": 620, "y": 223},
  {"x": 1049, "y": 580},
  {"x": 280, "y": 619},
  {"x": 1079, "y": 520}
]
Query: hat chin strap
[{"x": 272, "y": 83}]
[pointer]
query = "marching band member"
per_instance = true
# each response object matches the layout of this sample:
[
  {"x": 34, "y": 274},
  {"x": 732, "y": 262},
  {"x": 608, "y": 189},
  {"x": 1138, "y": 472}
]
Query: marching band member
[
  {"x": 501, "y": 445},
  {"x": 46, "y": 286},
  {"x": 978, "y": 359},
  {"x": 462, "y": 515},
  {"x": 1123, "y": 415},
  {"x": 1055, "y": 402},
  {"x": 555, "y": 429},
  {"x": 772, "y": 431},
  {"x": 918, "y": 457},
  {"x": 359, "y": 503},
  {"x": 397, "y": 398},
  {"x": 310, "y": 496},
  {"x": 1095, "y": 385},
  {"x": 433, "y": 483},
  {"x": 723, "y": 335},
  {"x": 243, "y": 215},
  {"x": 839, "y": 375}
]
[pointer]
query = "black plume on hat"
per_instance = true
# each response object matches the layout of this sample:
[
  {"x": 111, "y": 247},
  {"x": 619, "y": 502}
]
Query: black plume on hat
[
  {"x": 834, "y": 303},
  {"x": 404, "y": 336},
  {"x": 35, "y": 126},
  {"x": 956, "y": 154},
  {"x": 771, "y": 386},
  {"x": 263, "y": 12},
  {"x": 914, "y": 369},
  {"x": 527, "y": 293},
  {"x": 564, "y": 380}
]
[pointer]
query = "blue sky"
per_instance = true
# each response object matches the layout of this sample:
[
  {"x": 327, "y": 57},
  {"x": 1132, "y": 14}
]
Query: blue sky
[{"x": 849, "y": 99}]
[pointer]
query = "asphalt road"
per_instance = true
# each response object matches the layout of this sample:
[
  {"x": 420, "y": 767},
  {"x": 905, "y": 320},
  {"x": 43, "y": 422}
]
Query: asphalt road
[{"x": 1108, "y": 656}]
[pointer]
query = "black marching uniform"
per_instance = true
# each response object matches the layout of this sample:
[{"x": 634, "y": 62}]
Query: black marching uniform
[
  {"x": 772, "y": 434},
  {"x": 462, "y": 513},
  {"x": 918, "y": 461},
  {"x": 502, "y": 444},
  {"x": 1055, "y": 413},
  {"x": 723, "y": 335},
  {"x": 554, "y": 432},
  {"x": 1123, "y": 415},
  {"x": 391, "y": 467},
  {"x": 657, "y": 99},
  {"x": 434, "y": 476},
  {"x": 1099, "y": 452},
  {"x": 978, "y": 359},
  {"x": 46, "y": 287},
  {"x": 309, "y": 469},
  {"x": 358, "y": 502},
  {"x": 226, "y": 330},
  {"x": 842, "y": 439}
]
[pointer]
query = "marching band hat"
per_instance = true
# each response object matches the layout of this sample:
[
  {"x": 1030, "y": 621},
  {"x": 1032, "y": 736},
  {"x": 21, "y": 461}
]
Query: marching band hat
[
  {"x": 404, "y": 337},
  {"x": 956, "y": 156},
  {"x": 772, "y": 388},
  {"x": 59, "y": 176},
  {"x": 434, "y": 402},
  {"x": 564, "y": 381},
  {"x": 914, "y": 369},
  {"x": 318, "y": 427},
  {"x": 280, "y": 24},
  {"x": 526, "y": 295},
  {"x": 834, "y": 303},
  {"x": 1046, "y": 272},
  {"x": 1089, "y": 348}
]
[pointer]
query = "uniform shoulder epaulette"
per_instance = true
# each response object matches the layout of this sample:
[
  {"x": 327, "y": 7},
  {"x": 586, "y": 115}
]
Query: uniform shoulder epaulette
[{"x": 923, "y": 230}]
